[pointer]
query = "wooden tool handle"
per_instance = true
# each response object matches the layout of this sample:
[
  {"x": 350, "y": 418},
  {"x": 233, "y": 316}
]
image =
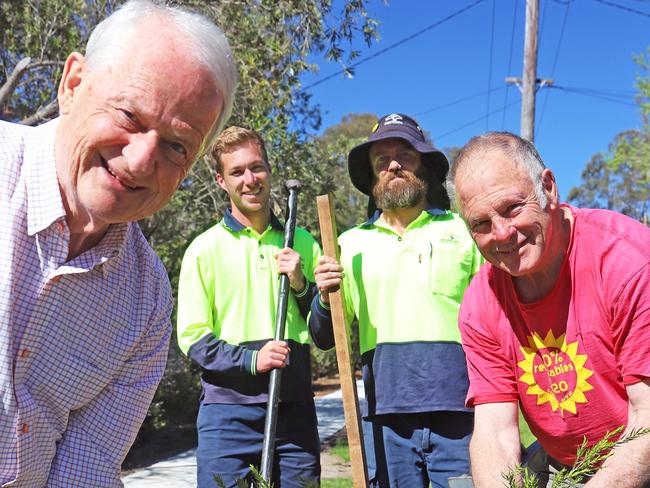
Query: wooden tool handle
[{"x": 343, "y": 357}]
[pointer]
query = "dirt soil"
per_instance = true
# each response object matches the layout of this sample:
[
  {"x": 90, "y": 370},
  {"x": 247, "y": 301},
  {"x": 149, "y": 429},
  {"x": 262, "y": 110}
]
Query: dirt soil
[
  {"x": 174, "y": 440},
  {"x": 333, "y": 466}
]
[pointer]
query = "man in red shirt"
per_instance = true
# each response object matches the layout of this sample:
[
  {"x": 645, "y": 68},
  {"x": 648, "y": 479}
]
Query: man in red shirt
[{"x": 558, "y": 322}]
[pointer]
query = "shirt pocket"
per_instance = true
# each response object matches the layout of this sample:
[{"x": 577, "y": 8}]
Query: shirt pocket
[
  {"x": 445, "y": 266},
  {"x": 81, "y": 380}
]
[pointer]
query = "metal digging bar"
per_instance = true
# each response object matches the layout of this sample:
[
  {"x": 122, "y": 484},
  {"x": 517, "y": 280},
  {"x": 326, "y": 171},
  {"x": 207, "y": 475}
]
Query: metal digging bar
[{"x": 270, "y": 424}]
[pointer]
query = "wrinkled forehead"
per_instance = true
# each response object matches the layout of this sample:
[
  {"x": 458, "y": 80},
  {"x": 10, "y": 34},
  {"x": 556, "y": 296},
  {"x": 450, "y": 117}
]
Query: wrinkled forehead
[
  {"x": 484, "y": 171},
  {"x": 484, "y": 162}
]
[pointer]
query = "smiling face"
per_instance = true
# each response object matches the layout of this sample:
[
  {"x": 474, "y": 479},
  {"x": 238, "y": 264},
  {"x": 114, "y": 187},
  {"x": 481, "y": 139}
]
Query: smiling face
[
  {"x": 129, "y": 133},
  {"x": 246, "y": 177},
  {"x": 504, "y": 215}
]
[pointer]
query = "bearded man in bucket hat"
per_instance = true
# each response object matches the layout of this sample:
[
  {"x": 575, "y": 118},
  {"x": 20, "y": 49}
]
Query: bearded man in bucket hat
[{"x": 405, "y": 271}]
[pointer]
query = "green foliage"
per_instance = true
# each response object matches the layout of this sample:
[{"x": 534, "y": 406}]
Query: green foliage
[
  {"x": 44, "y": 32},
  {"x": 620, "y": 179},
  {"x": 588, "y": 461},
  {"x": 643, "y": 83},
  {"x": 336, "y": 483},
  {"x": 255, "y": 480},
  {"x": 599, "y": 188},
  {"x": 323, "y": 363},
  {"x": 341, "y": 449},
  {"x": 614, "y": 181},
  {"x": 630, "y": 160},
  {"x": 520, "y": 477}
]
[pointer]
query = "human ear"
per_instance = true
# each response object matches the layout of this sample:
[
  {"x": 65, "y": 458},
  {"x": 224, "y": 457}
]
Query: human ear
[
  {"x": 550, "y": 186},
  {"x": 220, "y": 181},
  {"x": 74, "y": 71}
]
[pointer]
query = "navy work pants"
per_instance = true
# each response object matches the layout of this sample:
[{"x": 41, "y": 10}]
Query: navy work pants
[
  {"x": 413, "y": 450},
  {"x": 231, "y": 437}
]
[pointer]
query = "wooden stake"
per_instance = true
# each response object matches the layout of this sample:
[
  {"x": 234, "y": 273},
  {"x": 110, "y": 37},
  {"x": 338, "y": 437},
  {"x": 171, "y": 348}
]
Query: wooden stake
[{"x": 343, "y": 357}]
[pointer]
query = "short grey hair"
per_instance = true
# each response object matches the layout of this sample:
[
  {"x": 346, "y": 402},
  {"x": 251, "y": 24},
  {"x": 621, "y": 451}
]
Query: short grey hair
[
  {"x": 517, "y": 149},
  {"x": 109, "y": 41}
]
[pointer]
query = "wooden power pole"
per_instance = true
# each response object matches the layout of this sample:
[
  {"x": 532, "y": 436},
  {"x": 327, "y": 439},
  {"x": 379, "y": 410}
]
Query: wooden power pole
[{"x": 529, "y": 84}]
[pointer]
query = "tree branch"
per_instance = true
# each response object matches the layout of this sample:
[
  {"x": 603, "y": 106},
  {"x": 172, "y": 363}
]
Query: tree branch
[
  {"x": 42, "y": 114},
  {"x": 12, "y": 80}
]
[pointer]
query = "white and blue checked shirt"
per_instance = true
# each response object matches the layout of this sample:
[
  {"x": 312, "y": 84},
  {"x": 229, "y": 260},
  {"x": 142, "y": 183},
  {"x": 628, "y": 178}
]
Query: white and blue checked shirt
[{"x": 83, "y": 344}]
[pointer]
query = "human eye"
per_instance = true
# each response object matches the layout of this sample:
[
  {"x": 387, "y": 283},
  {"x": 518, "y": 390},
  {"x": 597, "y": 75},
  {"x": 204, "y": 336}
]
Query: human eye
[
  {"x": 480, "y": 226},
  {"x": 380, "y": 162},
  {"x": 127, "y": 118},
  {"x": 128, "y": 114},
  {"x": 178, "y": 148},
  {"x": 513, "y": 208}
]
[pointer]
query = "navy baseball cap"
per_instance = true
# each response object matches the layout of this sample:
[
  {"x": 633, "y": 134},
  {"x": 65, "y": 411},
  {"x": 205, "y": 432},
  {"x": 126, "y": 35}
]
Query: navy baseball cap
[{"x": 402, "y": 127}]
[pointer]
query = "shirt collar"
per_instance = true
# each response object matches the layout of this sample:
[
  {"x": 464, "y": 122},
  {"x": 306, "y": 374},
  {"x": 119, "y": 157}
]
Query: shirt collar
[
  {"x": 235, "y": 225},
  {"x": 44, "y": 202},
  {"x": 435, "y": 212}
]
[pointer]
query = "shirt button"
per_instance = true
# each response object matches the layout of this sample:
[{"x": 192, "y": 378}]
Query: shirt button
[
  {"x": 55, "y": 279},
  {"x": 60, "y": 225},
  {"x": 24, "y": 353},
  {"x": 24, "y": 428},
  {"x": 261, "y": 256},
  {"x": 399, "y": 239}
]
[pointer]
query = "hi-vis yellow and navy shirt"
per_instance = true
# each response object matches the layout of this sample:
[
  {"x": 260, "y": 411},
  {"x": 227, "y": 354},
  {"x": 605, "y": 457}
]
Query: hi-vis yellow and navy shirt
[
  {"x": 227, "y": 301},
  {"x": 405, "y": 292}
]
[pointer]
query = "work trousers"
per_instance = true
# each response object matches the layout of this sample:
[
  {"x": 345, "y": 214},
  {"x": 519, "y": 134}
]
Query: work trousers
[
  {"x": 231, "y": 438},
  {"x": 417, "y": 449}
]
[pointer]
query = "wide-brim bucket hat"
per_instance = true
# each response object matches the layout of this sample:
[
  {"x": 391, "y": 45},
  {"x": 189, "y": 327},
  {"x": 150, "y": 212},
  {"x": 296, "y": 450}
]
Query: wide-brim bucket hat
[{"x": 398, "y": 126}]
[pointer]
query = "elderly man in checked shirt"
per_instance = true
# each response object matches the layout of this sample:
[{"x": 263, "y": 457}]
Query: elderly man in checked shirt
[{"x": 84, "y": 301}]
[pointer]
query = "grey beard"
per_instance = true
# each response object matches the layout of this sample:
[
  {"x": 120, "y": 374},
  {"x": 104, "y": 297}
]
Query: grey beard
[{"x": 403, "y": 194}]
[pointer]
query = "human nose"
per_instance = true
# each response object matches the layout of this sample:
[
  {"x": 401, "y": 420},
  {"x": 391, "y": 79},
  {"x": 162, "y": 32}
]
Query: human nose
[
  {"x": 140, "y": 153},
  {"x": 249, "y": 178},
  {"x": 502, "y": 229},
  {"x": 394, "y": 165}
]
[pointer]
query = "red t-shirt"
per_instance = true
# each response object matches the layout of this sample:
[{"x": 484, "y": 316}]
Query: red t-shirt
[{"x": 568, "y": 357}]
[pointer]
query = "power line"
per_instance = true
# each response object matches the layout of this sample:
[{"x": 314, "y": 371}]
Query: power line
[
  {"x": 456, "y": 102},
  {"x": 557, "y": 55},
  {"x": 475, "y": 120},
  {"x": 603, "y": 95},
  {"x": 487, "y": 108},
  {"x": 544, "y": 9},
  {"x": 512, "y": 43},
  {"x": 623, "y": 7},
  {"x": 599, "y": 91},
  {"x": 615, "y": 96},
  {"x": 609, "y": 95},
  {"x": 394, "y": 45}
]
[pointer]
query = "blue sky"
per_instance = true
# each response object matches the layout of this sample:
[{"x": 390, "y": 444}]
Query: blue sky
[{"x": 467, "y": 57}]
